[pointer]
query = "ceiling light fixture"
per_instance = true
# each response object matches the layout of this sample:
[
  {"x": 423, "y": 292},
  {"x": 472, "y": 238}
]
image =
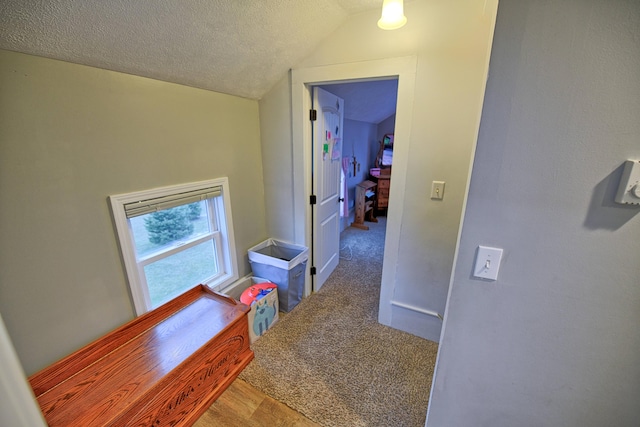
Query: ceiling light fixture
[{"x": 392, "y": 15}]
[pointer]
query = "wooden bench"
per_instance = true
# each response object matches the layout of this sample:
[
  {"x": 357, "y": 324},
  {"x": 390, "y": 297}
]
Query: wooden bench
[{"x": 163, "y": 368}]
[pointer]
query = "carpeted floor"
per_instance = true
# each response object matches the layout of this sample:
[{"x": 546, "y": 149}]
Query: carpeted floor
[{"x": 330, "y": 359}]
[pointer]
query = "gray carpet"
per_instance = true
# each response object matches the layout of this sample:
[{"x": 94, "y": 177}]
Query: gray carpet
[{"x": 331, "y": 360}]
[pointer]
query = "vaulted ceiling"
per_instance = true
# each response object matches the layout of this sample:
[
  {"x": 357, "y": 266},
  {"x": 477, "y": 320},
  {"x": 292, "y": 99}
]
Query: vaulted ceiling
[{"x": 239, "y": 47}]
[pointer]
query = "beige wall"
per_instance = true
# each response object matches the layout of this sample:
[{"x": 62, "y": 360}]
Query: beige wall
[
  {"x": 69, "y": 137},
  {"x": 451, "y": 40},
  {"x": 277, "y": 158}
]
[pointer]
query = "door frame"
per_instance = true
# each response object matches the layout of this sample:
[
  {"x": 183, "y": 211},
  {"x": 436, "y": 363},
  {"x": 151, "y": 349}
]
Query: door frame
[{"x": 402, "y": 68}]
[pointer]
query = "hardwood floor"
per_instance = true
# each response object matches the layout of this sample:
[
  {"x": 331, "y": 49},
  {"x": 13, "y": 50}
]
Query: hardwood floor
[{"x": 241, "y": 405}]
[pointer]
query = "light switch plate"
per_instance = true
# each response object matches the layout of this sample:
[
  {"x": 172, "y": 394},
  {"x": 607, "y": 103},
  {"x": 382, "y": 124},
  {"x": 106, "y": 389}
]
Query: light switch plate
[
  {"x": 487, "y": 263},
  {"x": 437, "y": 190}
]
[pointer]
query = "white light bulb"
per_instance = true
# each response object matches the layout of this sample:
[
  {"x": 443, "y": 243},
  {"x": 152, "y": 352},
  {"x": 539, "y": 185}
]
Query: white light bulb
[{"x": 392, "y": 15}]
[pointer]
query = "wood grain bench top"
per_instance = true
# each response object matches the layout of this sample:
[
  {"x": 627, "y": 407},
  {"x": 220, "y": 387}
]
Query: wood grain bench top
[{"x": 155, "y": 370}]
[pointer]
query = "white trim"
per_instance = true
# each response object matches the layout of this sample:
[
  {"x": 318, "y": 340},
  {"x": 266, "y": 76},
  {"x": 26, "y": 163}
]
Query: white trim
[
  {"x": 403, "y": 68},
  {"x": 137, "y": 282},
  {"x": 18, "y": 405},
  {"x": 229, "y": 256},
  {"x": 416, "y": 309},
  {"x": 149, "y": 259}
]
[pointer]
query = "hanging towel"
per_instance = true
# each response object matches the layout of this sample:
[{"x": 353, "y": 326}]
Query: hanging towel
[{"x": 344, "y": 207}]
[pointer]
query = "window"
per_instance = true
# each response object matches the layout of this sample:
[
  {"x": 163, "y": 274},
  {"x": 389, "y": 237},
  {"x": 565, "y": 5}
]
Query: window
[{"x": 174, "y": 238}]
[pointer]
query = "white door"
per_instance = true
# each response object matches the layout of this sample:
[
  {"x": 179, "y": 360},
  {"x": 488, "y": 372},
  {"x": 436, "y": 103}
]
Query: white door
[{"x": 327, "y": 164}]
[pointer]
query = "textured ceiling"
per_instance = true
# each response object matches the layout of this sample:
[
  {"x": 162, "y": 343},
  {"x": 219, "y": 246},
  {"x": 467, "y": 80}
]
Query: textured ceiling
[{"x": 239, "y": 47}]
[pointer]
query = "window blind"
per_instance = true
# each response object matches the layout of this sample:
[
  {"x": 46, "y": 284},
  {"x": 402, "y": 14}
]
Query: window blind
[{"x": 143, "y": 207}]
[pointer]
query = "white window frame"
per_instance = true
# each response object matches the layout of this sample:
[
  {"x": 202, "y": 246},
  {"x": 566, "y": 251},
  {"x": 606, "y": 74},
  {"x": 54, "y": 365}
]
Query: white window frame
[{"x": 223, "y": 239}]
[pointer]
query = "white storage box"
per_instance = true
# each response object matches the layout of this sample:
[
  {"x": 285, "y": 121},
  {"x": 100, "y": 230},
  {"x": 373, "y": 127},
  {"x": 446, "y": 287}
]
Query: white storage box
[
  {"x": 267, "y": 317},
  {"x": 263, "y": 315}
]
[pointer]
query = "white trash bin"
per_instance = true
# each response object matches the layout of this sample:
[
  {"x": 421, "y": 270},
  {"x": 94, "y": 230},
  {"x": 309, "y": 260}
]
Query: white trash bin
[{"x": 283, "y": 264}]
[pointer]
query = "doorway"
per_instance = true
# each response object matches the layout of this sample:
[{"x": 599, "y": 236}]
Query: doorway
[
  {"x": 369, "y": 115},
  {"x": 369, "y": 123},
  {"x": 403, "y": 69}
]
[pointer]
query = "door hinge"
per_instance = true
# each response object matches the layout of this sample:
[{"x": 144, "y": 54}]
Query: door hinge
[
  {"x": 312, "y": 271},
  {"x": 312, "y": 199},
  {"x": 313, "y": 115}
]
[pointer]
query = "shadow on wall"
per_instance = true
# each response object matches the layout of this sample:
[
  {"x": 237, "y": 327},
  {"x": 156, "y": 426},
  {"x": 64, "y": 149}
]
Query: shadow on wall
[{"x": 604, "y": 213}]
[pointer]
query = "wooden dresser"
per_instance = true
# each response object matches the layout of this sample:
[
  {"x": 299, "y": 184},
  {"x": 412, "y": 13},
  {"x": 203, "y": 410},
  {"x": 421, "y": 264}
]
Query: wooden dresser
[
  {"x": 164, "y": 368},
  {"x": 382, "y": 195}
]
